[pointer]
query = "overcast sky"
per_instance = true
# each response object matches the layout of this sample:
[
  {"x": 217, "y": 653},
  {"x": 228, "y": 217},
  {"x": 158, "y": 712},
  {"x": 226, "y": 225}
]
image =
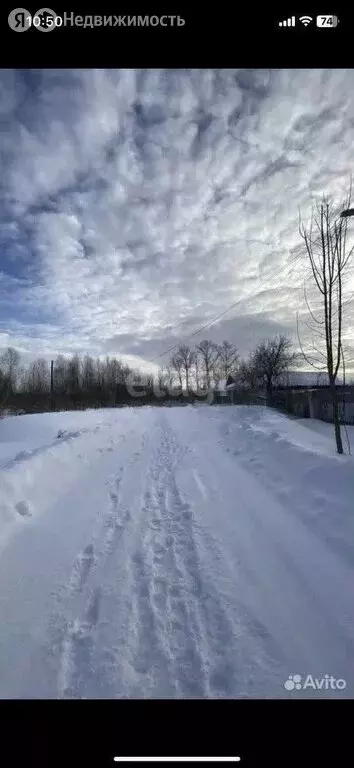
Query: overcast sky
[{"x": 136, "y": 206}]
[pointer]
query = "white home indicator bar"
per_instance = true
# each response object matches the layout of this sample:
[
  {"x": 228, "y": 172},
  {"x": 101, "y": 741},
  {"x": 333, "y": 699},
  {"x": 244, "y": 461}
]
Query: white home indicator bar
[{"x": 177, "y": 759}]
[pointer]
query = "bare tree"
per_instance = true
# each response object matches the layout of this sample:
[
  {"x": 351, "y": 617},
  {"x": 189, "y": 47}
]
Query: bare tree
[
  {"x": 326, "y": 248},
  {"x": 177, "y": 365},
  {"x": 37, "y": 377},
  {"x": 209, "y": 354},
  {"x": 197, "y": 371},
  {"x": 9, "y": 373},
  {"x": 228, "y": 359},
  {"x": 88, "y": 377},
  {"x": 59, "y": 374},
  {"x": 100, "y": 375},
  {"x": 113, "y": 377},
  {"x": 160, "y": 383},
  {"x": 247, "y": 376},
  {"x": 126, "y": 371},
  {"x": 73, "y": 376},
  {"x": 172, "y": 389},
  {"x": 270, "y": 359},
  {"x": 185, "y": 357}
]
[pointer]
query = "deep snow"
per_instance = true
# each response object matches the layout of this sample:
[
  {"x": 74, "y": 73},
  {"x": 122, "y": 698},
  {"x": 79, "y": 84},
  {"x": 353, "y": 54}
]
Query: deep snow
[{"x": 174, "y": 552}]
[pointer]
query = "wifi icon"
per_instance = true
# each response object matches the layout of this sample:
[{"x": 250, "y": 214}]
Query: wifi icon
[{"x": 305, "y": 20}]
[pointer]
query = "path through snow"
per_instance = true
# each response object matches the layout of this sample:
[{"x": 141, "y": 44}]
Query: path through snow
[{"x": 171, "y": 556}]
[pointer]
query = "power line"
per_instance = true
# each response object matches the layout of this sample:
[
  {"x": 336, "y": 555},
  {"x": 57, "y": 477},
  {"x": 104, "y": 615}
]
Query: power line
[
  {"x": 238, "y": 239},
  {"x": 199, "y": 330},
  {"x": 215, "y": 319}
]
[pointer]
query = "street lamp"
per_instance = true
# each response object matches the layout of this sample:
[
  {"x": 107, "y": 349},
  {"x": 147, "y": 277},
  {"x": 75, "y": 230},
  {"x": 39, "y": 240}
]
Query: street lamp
[{"x": 347, "y": 213}]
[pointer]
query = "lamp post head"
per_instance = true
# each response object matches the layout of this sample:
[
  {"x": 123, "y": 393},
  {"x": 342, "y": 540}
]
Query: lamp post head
[{"x": 347, "y": 213}]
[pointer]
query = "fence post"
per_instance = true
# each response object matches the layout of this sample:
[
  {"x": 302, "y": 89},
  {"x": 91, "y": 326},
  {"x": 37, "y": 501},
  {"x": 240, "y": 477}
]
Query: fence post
[{"x": 311, "y": 403}]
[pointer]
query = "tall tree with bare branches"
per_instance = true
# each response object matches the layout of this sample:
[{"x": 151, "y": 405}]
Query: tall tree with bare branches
[
  {"x": 176, "y": 364},
  {"x": 271, "y": 359},
  {"x": 228, "y": 359},
  {"x": 187, "y": 356},
  {"x": 326, "y": 247},
  {"x": 209, "y": 354},
  {"x": 9, "y": 372}
]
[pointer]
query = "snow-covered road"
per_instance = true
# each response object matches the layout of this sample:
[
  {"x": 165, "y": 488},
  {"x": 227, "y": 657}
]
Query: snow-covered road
[{"x": 173, "y": 552}]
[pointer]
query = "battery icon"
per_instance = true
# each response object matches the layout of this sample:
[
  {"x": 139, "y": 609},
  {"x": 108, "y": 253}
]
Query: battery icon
[{"x": 327, "y": 21}]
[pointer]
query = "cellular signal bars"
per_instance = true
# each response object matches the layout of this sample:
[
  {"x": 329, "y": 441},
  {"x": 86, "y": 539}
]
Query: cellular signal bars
[{"x": 287, "y": 22}]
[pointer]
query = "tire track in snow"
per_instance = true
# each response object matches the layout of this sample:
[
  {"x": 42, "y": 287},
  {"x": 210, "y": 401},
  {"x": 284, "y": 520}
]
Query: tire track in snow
[
  {"x": 78, "y": 633},
  {"x": 149, "y": 659},
  {"x": 77, "y": 644},
  {"x": 116, "y": 520},
  {"x": 215, "y": 635},
  {"x": 113, "y": 522},
  {"x": 77, "y": 649}
]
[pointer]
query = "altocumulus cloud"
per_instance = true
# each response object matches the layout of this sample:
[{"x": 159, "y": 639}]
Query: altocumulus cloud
[{"x": 137, "y": 205}]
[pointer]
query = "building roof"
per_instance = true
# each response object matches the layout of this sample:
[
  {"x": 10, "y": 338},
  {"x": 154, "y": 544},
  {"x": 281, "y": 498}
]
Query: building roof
[{"x": 304, "y": 379}]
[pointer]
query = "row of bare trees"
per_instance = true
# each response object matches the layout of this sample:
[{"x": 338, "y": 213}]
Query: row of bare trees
[
  {"x": 192, "y": 371},
  {"x": 205, "y": 365},
  {"x": 69, "y": 380}
]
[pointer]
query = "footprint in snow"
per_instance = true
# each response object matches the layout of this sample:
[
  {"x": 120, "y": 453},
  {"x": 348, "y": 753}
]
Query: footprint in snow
[
  {"x": 23, "y": 508},
  {"x": 82, "y": 567},
  {"x": 88, "y": 552},
  {"x": 93, "y": 608}
]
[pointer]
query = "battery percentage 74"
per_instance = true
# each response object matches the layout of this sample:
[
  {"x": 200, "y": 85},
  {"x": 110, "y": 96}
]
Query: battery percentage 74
[{"x": 327, "y": 21}]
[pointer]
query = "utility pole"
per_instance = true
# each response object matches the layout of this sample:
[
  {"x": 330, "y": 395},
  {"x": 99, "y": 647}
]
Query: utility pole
[{"x": 52, "y": 385}]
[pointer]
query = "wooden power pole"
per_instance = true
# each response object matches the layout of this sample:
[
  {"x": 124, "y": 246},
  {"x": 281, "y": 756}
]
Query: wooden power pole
[{"x": 52, "y": 385}]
